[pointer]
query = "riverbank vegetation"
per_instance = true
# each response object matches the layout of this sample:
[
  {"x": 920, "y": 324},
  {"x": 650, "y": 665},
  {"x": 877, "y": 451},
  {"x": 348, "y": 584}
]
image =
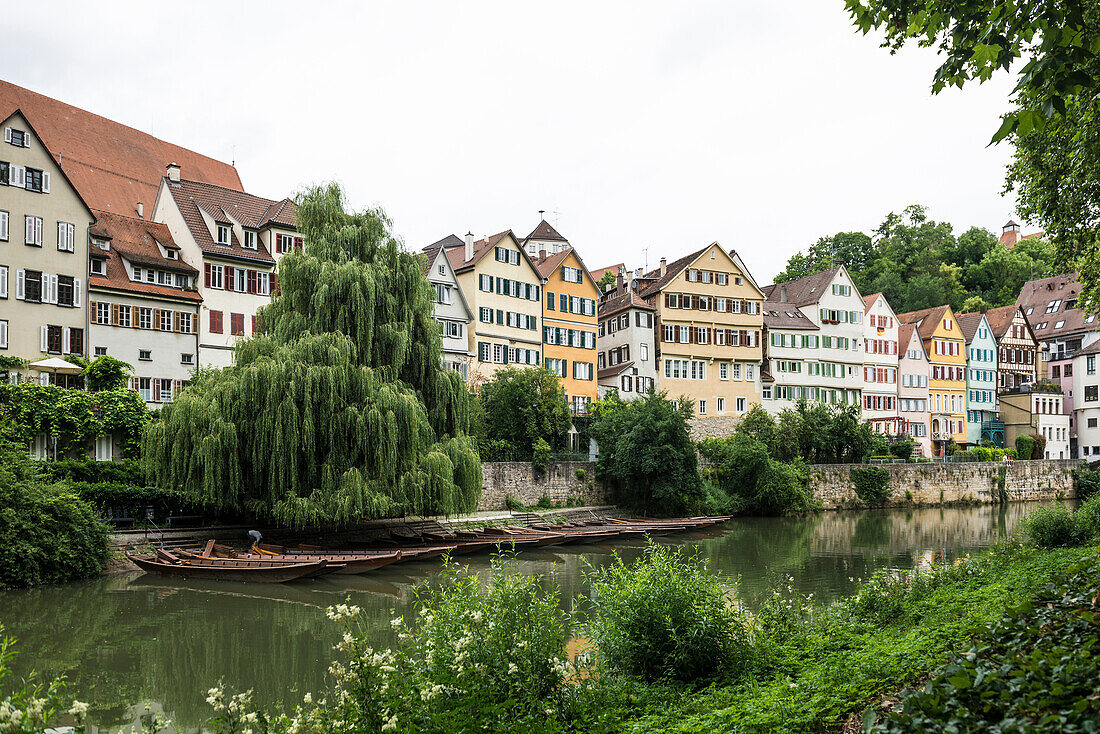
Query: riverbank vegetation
[{"x": 519, "y": 410}]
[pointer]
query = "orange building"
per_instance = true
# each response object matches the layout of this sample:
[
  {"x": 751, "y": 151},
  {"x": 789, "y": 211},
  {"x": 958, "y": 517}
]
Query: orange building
[{"x": 569, "y": 324}]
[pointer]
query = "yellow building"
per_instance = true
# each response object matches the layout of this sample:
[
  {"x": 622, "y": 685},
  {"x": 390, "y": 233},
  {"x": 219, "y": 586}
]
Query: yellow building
[
  {"x": 504, "y": 291},
  {"x": 569, "y": 325},
  {"x": 709, "y": 322},
  {"x": 946, "y": 347}
]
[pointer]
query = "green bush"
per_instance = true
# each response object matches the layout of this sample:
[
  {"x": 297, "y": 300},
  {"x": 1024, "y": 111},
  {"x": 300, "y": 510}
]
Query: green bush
[
  {"x": 667, "y": 617},
  {"x": 1039, "y": 448},
  {"x": 582, "y": 475},
  {"x": 48, "y": 534},
  {"x": 743, "y": 469},
  {"x": 1025, "y": 445},
  {"x": 134, "y": 500},
  {"x": 495, "y": 449},
  {"x": 1054, "y": 527},
  {"x": 540, "y": 456},
  {"x": 544, "y": 503},
  {"x": 872, "y": 483},
  {"x": 1086, "y": 482},
  {"x": 127, "y": 471},
  {"x": 513, "y": 504},
  {"x": 902, "y": 448}
]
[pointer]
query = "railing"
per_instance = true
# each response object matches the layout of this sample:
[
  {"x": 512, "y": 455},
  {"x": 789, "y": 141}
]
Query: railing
[{"x": 578, "y": 408}]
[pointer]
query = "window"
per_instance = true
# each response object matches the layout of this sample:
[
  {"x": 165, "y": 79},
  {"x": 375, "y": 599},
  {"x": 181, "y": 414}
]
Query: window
[
  {"x": 32, "y": 228},
  {"x": 1092, "y": 423},
  {"x": 145, "y": 355},
  {"x": 3, "y": 219},
  {"x": 67, "y": 288},
  {"x": 263, "y": 284},
  {"x": 723, "y": 372},
  {"x": 145, "y": 318},
  {"x": 1053, "y": 306},
  {"x": 53, "y": 339},
  {"x": 36, "y": 180},
  {"x": 66, "y": 236},
  {"x": 239, "y": 280},
  {"x": 215, "y": 275},
  {"x": 442, "y": 293},
  {"x": 103, "y": 448},
  {"x": 166, "y": 320},
  {"x": 215, "y": 322},
  {"x": 1059, "y": 324},
  {"x": 644, "y": 352},
  {"x": 3, "y": 333},
  {"x": 721, "y": 407},
  {"x": 1090, "y": 393},
  {"x": 223, "y": 234},
  {"x": 125, "y": 313},
  {"x": 187, "y": 358},
  {"x": 702, "y": 407},
  {"x": 101, "y": 351},
  {"x": 18, "y": 138},
  {"x": 1090, "y": 364},
  {"x": 250, "y": 239},
  {"x": 740, "y": 405},
  {"x": 582, "y": 370},
  {"x": 165, "y": 391},
  {"x": 98, "y": 267},
  {"x": 236, "y": 323}
]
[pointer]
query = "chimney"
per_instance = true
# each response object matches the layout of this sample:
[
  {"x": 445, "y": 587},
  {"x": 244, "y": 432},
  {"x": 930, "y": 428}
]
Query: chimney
[
  {"x": 607, "y": 288},
  {"x": 141, "y": 210},
  {"x": 783, "y": 293},
  {"x": 619, "y": 281},
  {"x": 664, "y": 266},
  {"x": 173, "y": 172},
  {"x": 469, "y": 246},
  {"x": 542, "y": 254}
]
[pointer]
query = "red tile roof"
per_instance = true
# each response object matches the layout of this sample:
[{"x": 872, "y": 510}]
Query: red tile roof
[
  {"x": 615, "y": 269},
  {"x": 112, "y": 166},
  {"x": 869, "y": 301},
  {"x": 456, "y": 254},
  {"x": 924, "y": 320},
  {"x": 618, "y": 302},
  {"x": 1037, "y": 295},
  {"x": 254, "y": 212},
  {"x": 968, "y": 323},
  {"x": 803, "y": 291},
  {"x": 545, "y": 232},
  {"x": 136, "y": 240},
  {"x": 656, "y": 281}
]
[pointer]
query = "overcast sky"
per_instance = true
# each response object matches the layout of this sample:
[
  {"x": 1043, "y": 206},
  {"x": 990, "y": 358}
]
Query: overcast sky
[{"x": 635, "y": 125}]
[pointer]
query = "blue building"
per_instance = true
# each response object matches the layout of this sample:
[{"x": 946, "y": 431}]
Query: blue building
[{"x": 981, "y": 379}]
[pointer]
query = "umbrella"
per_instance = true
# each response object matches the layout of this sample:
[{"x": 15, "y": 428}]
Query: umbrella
[{"x": 55, "y": 364}]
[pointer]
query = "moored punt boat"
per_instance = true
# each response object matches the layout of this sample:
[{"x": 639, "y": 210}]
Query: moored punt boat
[
  {"x": 349, "y": 563},
  {"x": 227, "y": 569}
]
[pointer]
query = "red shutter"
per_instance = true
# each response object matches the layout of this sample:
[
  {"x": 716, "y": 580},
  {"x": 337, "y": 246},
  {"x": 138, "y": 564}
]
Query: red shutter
[
  {"x": 156, "y": 390},
  {"x": 206, "y": 270},
  {"x": 230, "y": 277},
  {"x": 668, "y": 300},
  {"x": 251, "y": 281},
  {"x": 255, "y": 324},
  {"x": 274, "y": 284},
  {"x": 278, "y": 243}
]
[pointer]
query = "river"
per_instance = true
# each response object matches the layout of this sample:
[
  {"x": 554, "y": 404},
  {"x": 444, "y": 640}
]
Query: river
[{"x": 134, "y": 643}]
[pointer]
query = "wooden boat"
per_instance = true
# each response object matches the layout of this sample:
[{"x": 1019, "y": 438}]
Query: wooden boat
[
  {"x": 349, "y": 563},
  {"x": 226, "y": 569}
]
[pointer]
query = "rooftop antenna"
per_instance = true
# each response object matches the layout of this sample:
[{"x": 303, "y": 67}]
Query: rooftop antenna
[
  {"x": 645, "y": 254},
  {"x": 233, "y": 156},
  {"x": 542, "y": 214},
  {"x": 557, "y": 216}
]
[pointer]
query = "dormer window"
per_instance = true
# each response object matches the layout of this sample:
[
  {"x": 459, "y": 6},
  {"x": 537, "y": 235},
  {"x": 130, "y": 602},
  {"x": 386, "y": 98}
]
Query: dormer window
[
  {"x": 137, "y": 274},
  {"x": 223, "y": 234},
  {"x": 102, "y": 244},
  {"x": 18, "y": 138},
  {"x": 250, "y": 239},
  {"x": 98, "y": 267},
  {"x": 172, "y": 255}
]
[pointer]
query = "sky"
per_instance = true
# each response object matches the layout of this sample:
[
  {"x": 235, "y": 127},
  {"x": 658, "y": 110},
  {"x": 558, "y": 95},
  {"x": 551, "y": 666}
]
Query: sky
[{"x": 644, "y": 130}]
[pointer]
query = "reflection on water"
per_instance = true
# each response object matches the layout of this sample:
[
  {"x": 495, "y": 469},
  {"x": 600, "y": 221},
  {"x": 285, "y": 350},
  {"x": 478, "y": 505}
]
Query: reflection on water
[{"x": 127, "y": 641}]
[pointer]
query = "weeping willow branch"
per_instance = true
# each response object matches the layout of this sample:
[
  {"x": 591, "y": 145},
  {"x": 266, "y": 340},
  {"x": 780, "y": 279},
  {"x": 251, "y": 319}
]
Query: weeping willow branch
[{"x": 340, "y": 409}]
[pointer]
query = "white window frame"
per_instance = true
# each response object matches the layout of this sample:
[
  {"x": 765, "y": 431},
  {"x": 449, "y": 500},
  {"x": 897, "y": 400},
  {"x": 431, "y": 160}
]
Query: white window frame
[
  {"x": 217, "y": 276},
  {"x": 218, "y": 230},
  {"x": 32, "y": 230},
  {"x": 66, "y": 236}
]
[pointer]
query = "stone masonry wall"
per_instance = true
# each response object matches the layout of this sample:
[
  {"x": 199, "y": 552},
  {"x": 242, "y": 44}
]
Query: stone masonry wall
[
  {"x": 517, "y": 478},
  {"x": 937, "y": 484}
]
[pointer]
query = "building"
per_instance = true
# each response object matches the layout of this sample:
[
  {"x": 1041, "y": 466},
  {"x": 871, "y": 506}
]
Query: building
[
  {"x": 1017, "y": 348},
  {"x": 946, "y": 349},
  {"x": 814, "y": 328},
  {"x": 880, "y": 365},
  {"x": 982, "y": 421},
  {"x": 1037, "y": 409},
  {"x": 235, "y": 240},
  {"x": 709, "y": 325},
  {"x": 503, "y": 289},
  {"x": 1010, "y": 234},
  {"x": 627, "y": 354},
  {"x": 1086, "y": 401},
  {"x": 451, "y": 309},
  {"x": 544, "y": 238},
  {"x": 569, "y": 323},
  {"x": 44, "y": 224},
  {"x": 913, "y": 387},
  {"x": 143, "y": 304}
]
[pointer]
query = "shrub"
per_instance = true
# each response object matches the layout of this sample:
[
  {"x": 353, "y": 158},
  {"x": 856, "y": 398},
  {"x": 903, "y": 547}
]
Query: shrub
[
  {"x": 523, "y": 405},
  {"x": 513, "y": 504},
  {"x": 127, "y": 471},
  {"x": 902, "y": 448},
  {"x": 133, "y": 499},
  {"x": 582, "y": 475},
  {"x": 28, "y": 708},
  {"x": 1087, "y": 517},
  {"x": 1086, "y": 482},
  {"x": 1024, "y": 446},
  {"x": 1053, "y": 526},
  {"x": 544, "y": 503},
  {"x": 494, "y": 449},
  {"x": 667, "y": 617},
  {"x": 743, "y": 468},
  {"x": 1039, "y": 448},
  {"x": 872, "y": 484},
  {"x": 540, "y": 456}
]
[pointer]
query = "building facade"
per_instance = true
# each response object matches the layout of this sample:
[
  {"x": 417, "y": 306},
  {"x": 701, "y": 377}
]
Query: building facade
[
  {"x": 627, "y": 353},
  {"x": 1017, "y": 348},
  {"x": 815, "y": 332},
  {"x": 709, "y": 324},
  {"x": 946, "y": 349},
  {"x": 982, "y": 421},
  {"x": 143, "y": 304},
  {"x": 569, "y": 324},
  {"x": 235, "y": 240},
  {"x": 452, "y": 312},
  {"x": 1086, "y": 402},
  {"x": 44, "y": 224},
  {"x": 1037, "y": 410},
  {"x": 880, "y": 366},
  {"x": 913, "y": 388},
  {"x": 504, "y": 291}
]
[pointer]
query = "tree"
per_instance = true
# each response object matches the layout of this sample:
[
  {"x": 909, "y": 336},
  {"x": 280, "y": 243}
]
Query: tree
[
  {"x": 606, "y": 279},
  {"x": 850, "y": 249},
  {"x": 646, "y": 455},
  {"x": 521, "y": 406},
  {"x": 106, "y": 373},
  {"x": 975, "y": 304},
  {"x": 340, "y": 409}
]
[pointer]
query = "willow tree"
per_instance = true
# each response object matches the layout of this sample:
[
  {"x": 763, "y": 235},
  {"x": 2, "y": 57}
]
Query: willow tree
[{"x": 340, "y": 409}]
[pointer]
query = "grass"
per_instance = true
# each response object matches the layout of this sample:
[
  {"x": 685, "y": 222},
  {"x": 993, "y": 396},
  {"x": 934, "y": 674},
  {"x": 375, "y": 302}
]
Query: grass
[{"x": 826, "y": 663}]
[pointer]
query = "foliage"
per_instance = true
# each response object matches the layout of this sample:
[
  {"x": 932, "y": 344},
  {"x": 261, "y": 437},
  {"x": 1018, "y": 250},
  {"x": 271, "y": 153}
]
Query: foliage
[
  {"x": 340, "y": 409},
  {"x": 106, "y": 373},
  {"x": 27, "y": 708},
  {"x": 523, "y": 406},
  {"x": 47, "y": 533},
  {"x": 646, "y": 454},
  {"x": 902, "y": 448},
  {"x": 544, "y": 502},
  {"x": 540, "y": 456},
  {"x": 582, "y": 475},
  {"x": 668, "y": 617},
  {"x": 872, "y": 483},
  {"x": 513, "y": 504},
  {"x": 1032, "y": 671},
  {"x": 125, "y": 471},
  {"x": 1025, "y": 447},
  {"x": 493, "y": 449},
  {"x": 606, "y": 279},
  {"x": 134, "y": 499},
  {"x": 983, "y": 453},
  {"x": 822, "y": 434},
  {"x": 1046, "y": 385},
  {"x": 1055, "y": 526},
  {"x": 743, "y": 469},
  {"x": 74, "y": 416},
  {"x": 1086, "y": 482},
  {"x": 1039, "y": 445}
]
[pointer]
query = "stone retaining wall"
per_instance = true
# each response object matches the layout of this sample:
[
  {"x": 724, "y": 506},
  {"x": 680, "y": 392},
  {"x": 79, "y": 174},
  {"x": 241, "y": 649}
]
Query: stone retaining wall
[
  {"x": 517, "y": 478},
  {"x": 947, "y": 483}
]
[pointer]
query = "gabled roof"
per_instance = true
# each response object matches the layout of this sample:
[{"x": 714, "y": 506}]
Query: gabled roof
[
  {"x": 968, "y": 324},
  {"x": 1037, "y": 294},
  {"x": 905, "y": 338},
  {"x": 672, "y": 269},
  {"x": 1000, "y": 319},
  {"x": 1093, "y": 348},
  {"x": 925, "y": 320},
  {"x": 112, "y": 166},
  {"x": 614, "y": 370},
  {"x": 869, "y": 301},
  {"x": 221, "y": 204},
  {"x": 433, "y": 253},
  {"x": 456, "y": 254},
  {"x": 597, "y": 274},
  {"x": 544, "y": 231},
  {"x": 779, "y": 315},
  {"x": 805, "y": 290},
  {"x": 551, "y": 263},
  {"x": 617, "y": 302},
  {"x": 136, "y": 240},
  {"x": 41, "y": 140}
]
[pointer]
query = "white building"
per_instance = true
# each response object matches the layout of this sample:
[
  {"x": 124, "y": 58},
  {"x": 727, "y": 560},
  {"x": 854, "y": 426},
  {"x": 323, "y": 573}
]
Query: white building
[
  {"x": 1086, "y": 401},
  {"x": 143, "y": 304},
  {"x": 544, "y": 238},
  {"x": 626, "y": 360},
  {"x": 235, "y": 240},
  {"x": 814, "y": 342},
  {"x": 880, "y": 366},
  {"x": 913, "y": 402},
  {"x": 451, "y": 309}
]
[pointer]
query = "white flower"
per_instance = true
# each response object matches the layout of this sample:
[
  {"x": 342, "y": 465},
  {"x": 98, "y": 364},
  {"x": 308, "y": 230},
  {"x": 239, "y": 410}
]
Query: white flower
[
  {"x": 308, "y": 698},
  {"x": 250, "y": 718},
  {"x": 79, "y": 709},
  {"x": 391, "y": 723},
  {"x": 512, "y": 669}
]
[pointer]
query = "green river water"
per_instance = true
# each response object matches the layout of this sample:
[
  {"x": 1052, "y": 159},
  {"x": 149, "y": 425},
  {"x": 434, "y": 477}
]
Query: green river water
[{"x": 133, "y": 643}]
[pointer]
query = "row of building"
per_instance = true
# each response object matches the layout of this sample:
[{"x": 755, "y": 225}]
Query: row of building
[{"x": 113, "y": 242}]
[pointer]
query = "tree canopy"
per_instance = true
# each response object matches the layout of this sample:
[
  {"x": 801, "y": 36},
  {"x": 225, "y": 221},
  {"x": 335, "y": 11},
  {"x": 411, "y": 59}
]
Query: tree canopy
[
  {"x": 520, "y": 406},
  {"x": 340, "y": 409},
  {"x": 919, "y": 263}
]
